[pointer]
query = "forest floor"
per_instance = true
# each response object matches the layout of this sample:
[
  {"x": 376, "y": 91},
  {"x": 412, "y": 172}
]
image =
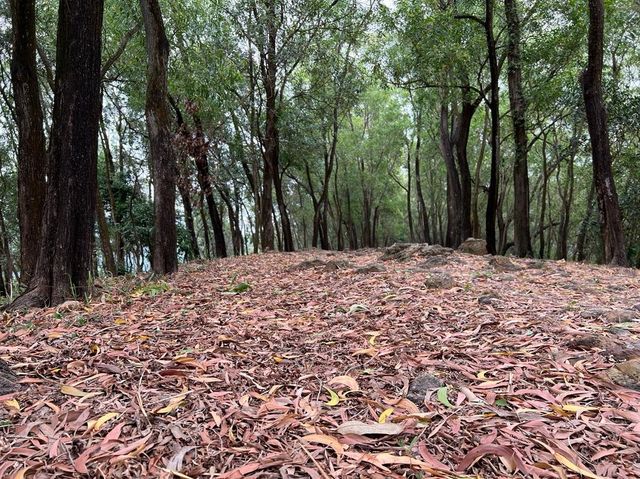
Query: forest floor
[{"x": 277, "y": 365}]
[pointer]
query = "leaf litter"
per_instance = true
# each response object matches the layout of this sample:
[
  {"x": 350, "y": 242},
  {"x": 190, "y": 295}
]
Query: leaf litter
[{"x": 304, "y": 372}]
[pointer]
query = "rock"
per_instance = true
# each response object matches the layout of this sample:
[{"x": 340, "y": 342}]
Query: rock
[
  {"x": 405, "y": 251},
  {"x": 432, "y": 262},
  {"x": 308, "y": 264},
  {"x": 336, "y": 264},
  {"x": 473, "y": 246},
  {"x": 589, "y": 341},
  {"x": 490, "y": 298},
  {"x": 421, "y": 386},
  {"x": 371, "y": 268},
  {"x": 626, "y": 374},
  {"x": 70, "y": 305},
  {"x": 622, "y": 315},
  {"x": 8, "y": 380},
  {"x": 593, "y": 313},
  {"x": 439, "y": 280},
  {"x": 503, "y": 264}
]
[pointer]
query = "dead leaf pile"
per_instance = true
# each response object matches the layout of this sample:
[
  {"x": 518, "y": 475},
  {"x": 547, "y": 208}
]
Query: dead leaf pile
[{"x": 305, "y": 373}]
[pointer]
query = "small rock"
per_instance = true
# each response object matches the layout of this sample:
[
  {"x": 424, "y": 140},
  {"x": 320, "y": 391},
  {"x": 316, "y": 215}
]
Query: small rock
[
  {"x": 433, "y": 261},
  {"x": 503, "y": 264},
  {"x": 405, "y": 251},
  {"x": 307, "y": 264},
  {"x": 335, "y": 265},
  {"x": 621, "y": 316},
  {"x": 439, "y": 281},
  {"x": 589, "y": 341},
  {"x": 490, "y": 298},
  {"x": 421, "y": 386},
  {"x": 473, "y": 246},
  {"x": 626, "y": 374},
  {"x": 593, "y": 313},
  {"x": 8, "y": 380},
  {"x": 70, "y": 305},
  {"x": 371, "y": 268}
]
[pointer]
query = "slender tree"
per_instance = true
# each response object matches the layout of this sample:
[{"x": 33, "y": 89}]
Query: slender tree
[
  {"x": 32, "y": 158},
  {"x": 66, "y": 250},
  {"x": 521, "y": 231},
  {"x": 610, "y": 217},
  {"x": 163, "y": 162}
]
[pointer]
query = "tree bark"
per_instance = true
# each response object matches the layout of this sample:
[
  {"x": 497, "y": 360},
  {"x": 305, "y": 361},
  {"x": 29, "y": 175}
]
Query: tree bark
[
  {"x": 65, "y": 257},
  {"x": 522, "y": 233},
  {"x": 32, "y": 157},
  {"x": 608, "y": 205},
  {"x": 165, "y": 259},
  {"x": 454, "y": 192},
  {"x": 494, "y": 106}
]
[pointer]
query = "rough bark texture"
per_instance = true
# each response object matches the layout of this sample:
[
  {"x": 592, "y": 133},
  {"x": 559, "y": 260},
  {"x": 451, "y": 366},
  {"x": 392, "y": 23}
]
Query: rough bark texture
[
  {"x": 454, "y": 192},
  {"x": 494, "y": 106},
  {"x": 610, "y": 217},
  {"x": 65, "y": 257},
  {"x": 165, "y": 259},
  {"x": 32, "y": 158},
  {"x": 521, "y": 228}
]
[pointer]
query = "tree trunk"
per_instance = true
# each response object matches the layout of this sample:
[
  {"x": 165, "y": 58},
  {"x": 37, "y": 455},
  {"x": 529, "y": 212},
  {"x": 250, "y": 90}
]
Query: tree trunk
[
  {"x": 454, "y": 192},
  {"x": 65, "y": 258},
  {"x": 32, "y": 158},
  {"x": 494, "y": 106},
  {"x": 610, "y": 217},
  {"x": 422, "y": 208},
  {"x": 199, "y": 150},
  {"x": 165, "y": 259},
  {"x": 521, "y": 231},
  {"x": 105, "y": 239},
  {"x": 475, "y": 223},
  {"x": 584, "y": 226}
]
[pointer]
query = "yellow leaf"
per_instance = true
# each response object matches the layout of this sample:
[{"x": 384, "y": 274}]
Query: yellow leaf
[
  {"x": 174, "y": 404},
  {"x": 94, "y": 348},
  {"x": 374, "y": 335},
  {"x": 55, "y": 335},
  {"x": 72, "y": 391},
  {"x": 120, "y": 321},
  {"x": 578, "y": 408},
  {"x": 481, "y": 375},
  {"x": 368, "y": 351},
  {"x": 348, "y": 381},
  {"x": 574, "y": 467},
  {"x": 332, "y": 442},
  {"x": 97, "y": 424},
  {"x": 277, "y": 359},
  {"x": 384, "y": 415},
  {"x": 335, "y": 399},
  {"x": 185, "y": 360},
  {"x": 12, "y": 404},
  {"x": 20, "y": 474}
]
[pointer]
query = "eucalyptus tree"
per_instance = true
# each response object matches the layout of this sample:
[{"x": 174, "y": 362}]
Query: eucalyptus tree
[
  {"x": 64, "y": 262},
  {"x": 32, "y": 156}
]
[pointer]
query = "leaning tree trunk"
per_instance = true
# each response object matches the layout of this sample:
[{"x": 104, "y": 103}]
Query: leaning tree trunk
[
  {"x": 610, "y": 217},
  {"x": 521, "y": 228},
  {"x": 32, "y": 158},
  {"x": 65, "y": 258},
  {"x": 165, "y": 259}
]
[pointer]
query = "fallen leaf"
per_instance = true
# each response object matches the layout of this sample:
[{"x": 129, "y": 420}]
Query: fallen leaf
[
  {"x": 364, "y": 429},
  {"x": 330, "y": 441}
]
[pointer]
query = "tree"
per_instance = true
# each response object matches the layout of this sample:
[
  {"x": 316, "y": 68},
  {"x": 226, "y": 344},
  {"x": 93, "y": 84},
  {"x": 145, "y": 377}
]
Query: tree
[
  {"x": 66, "y": 249},
  {"x": 521, "y": 231},
  {"x": 165, "y": 260},
  {"x": 610, "y": 217},
  {"x": 32, "y": 156}
]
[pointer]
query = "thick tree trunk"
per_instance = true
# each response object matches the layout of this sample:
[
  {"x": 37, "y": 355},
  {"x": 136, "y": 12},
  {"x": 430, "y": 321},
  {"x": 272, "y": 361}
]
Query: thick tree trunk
[
  {"x": 165, "y": 259},
  {"x": 32, "y": 158},
  {"x": 610, "y": 217},
  {"x": 422, "y": 208},
  {"x": 522, "y": 233},
  {"x": 584, "y": 226},
  {"x": 65, "y": 258},
  {"x": 475, "y": 223}
]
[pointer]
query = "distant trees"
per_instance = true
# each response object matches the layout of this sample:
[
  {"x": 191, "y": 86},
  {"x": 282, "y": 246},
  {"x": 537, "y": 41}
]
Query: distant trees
[{"x": 66, "y": 248}]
